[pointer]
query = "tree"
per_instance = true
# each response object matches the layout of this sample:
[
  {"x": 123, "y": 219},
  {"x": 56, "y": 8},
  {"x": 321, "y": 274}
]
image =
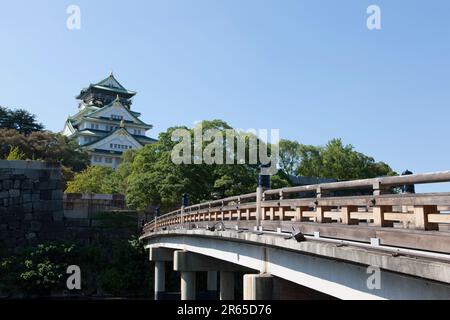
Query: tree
[
  {"x": 290, "y": 155},
  {"x": 44, "y": 146},
  {"x": 339, "y": 161},
  {"x": 156, "y": 179},
  {"x": 20, "y": 120},
  {"x": 117, "y": 182},
  {"x": 94, "y": 179}
]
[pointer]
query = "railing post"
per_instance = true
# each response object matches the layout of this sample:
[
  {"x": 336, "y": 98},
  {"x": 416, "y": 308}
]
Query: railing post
[
  {"x": 378, "y": 216},
  {"x": 421, "y": 217},
  {"x": 238, "y": 209},
  {"x": 378, "y": 189},
  {"x": 346, "y": 214},
  {"x": 259, "y": 195}
]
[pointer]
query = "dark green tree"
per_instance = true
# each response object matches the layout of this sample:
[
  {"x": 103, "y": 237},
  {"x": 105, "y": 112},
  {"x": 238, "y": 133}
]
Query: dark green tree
[{"x": 20, "y": 120}]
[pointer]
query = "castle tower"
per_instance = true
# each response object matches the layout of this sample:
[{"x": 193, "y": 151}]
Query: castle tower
[{"x": 105, "y": 125}]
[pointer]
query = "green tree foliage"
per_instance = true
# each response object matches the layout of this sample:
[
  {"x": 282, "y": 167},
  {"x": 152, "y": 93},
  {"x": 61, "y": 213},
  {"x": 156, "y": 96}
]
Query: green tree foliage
[
  {"x": 117, "y": 181},
  {"x": 15, "y": 154},
  {"x": 156, "y": 179},
  {"x": 20, "y": 120},
  {"x": 38, "y": 271},
  {"x": 103, "y": 180},
  {"x": 44, "y": 146},
  {"x": 119, "y": 268},
  {"x": 339, "y": 161},
  {"x": 94, "y": 179},
  {"x": 290, "y": 153}
]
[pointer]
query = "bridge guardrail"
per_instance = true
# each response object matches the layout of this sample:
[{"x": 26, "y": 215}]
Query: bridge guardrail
[{"x": 379, "y": 208}]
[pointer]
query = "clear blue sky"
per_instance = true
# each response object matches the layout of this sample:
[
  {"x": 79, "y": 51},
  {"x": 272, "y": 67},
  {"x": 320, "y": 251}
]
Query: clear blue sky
[{"x": 310, "y": 68}]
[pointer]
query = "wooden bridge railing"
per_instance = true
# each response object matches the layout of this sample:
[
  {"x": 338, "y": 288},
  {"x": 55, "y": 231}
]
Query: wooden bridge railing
[{"x": 379, "y": 206}]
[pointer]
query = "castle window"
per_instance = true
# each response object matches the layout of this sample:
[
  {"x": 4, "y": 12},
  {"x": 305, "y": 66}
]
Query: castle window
[{"x": 116, "y": 117}]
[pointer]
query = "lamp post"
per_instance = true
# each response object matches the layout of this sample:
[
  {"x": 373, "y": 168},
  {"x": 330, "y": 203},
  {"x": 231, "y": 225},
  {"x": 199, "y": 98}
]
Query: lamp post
[
  {"x": 408, "y": 188},
  {"x": 184, "y": 204},
  {"x": 263, "y": 184},
  {"x": 157, "y": 213}
]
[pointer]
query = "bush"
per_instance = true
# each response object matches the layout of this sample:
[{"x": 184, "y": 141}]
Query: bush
[{"x": 119, "y": 268}]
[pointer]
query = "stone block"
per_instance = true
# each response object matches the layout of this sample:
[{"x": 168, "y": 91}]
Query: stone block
[
  {"x": 13, "y": 193},
  {"x": 35, "y": 226},
  {"x": 19, "y": 175},
  {"x": 4, "y": 194},
  {"x": 46, "y": 195},
  {"x": 44, "y": 216},
  {"x": 57, "y": 194},
  {"x": 17, "y": 184},
  {"x": 44, "y": 185},
  {"x": 30, "y": 236},
  {"x": 15, "y": 201},
  {"x": 26, "y": 185},
  {"x": 77, "y": 223},
  {"x": 14, "y": 224},
  {"x": 58, "y": 215},
  {"x": 27, "y": 207},
  {"x": 17, "y": 233},
  {"x": 38, "y": 206},
  {"x": 7, "y": 184},
  {"x": 26, "y": 197},
  {"x": 76, "y": 214}
]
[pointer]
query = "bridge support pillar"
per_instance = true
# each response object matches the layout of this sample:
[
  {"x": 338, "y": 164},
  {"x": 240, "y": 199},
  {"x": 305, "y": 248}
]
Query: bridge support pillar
[
  {"x": 258, "y": 287},
  {"x": 212, "y": 285},
  {"x": 160, "y": 280},
  {"x": 188, "y": 263},
  {"x": 160, "y": 256},
  {"x": 226, "y": 285},
  {"x": 188, "y": 283}
]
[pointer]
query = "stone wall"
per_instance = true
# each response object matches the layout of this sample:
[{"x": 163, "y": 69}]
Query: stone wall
[
  {"x": 99, "y": 217},
  {"x": 33, "y": 209},
  {"x": 31, "y": 206},
  {"x": 81, "y": 206}
]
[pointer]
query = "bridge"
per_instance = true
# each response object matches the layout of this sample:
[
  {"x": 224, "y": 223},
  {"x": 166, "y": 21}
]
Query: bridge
[{"x": 362, "y": 239}]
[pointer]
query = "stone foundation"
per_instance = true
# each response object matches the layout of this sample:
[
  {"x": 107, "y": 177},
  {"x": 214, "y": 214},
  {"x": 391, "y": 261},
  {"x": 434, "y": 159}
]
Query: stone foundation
[{"x": 31, "y": 206}]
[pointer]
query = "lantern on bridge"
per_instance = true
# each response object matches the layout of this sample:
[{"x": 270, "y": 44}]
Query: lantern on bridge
[
  {"x": 263, "y": 179},
  {"x": 408, "y": 188},
  {"x": 185, "y": 200}
]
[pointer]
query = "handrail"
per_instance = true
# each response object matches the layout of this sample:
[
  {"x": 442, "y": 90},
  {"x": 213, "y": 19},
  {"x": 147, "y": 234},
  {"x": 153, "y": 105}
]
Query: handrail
[{"x": 374, "y": 183}]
